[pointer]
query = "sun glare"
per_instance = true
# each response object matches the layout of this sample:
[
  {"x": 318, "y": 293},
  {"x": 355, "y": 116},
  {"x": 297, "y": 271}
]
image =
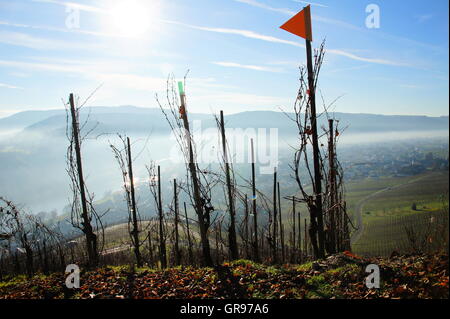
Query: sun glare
[{"x": 132, "y": 18}]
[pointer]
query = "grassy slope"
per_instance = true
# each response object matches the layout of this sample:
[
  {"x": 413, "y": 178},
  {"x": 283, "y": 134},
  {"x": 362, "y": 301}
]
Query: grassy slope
[
  {"x": 357, "y": 190},
  {"x": 426, "y": 193},
  {"x": 386, "y": 215}
]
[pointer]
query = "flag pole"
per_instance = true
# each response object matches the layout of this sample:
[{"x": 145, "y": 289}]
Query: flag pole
[
  {"x": 316, "y": 151},
  {"x": 315, "y": 139},
  {"x": 300, "y": 25}
]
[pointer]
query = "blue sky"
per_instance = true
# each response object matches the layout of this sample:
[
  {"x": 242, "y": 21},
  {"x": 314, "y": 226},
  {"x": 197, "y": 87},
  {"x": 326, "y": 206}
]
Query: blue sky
[{"x": 239, "y": 59}]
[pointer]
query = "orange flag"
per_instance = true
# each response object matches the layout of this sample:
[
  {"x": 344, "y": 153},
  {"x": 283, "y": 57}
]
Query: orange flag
[{"x": 300, "y": 24}]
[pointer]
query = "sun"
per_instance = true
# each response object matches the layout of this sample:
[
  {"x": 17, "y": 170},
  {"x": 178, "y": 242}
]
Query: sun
[{"x": 132, "y": 18}]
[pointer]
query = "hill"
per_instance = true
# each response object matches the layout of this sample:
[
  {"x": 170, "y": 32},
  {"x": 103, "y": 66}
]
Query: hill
[
  {"x": 137, "y": 119},
  {"x": 34, "y": 158}
]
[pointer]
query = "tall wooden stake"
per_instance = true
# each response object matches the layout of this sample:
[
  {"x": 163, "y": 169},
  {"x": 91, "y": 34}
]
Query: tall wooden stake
[
  {"x": 255, "y": 217},
  {"x": 217, "y": 244},
  {"x": 135, "y": 230},
  {"x": 347, "y": 244},
  {"x": 191, "y": 256},
  {"x": 246, "y": 230},
  {"x": 199, "y": 203},
  {"x": 316, "y": 154},
  {"x": 150, "y": 249},
  {"x": 162, "y": 244},
  {"x": 283, "y": 250},
  {"x": 275, "y": 221},
  {"x": 177, "y": 249},
  {"x": 333, "y": 189},
  {"x": 294, "y": 250},
  {"x": 91, "y": 237},
  {"x": 305, "y": 242},
  {"x": 300, "y": 252},
  {"x": 234, "y": 253}
]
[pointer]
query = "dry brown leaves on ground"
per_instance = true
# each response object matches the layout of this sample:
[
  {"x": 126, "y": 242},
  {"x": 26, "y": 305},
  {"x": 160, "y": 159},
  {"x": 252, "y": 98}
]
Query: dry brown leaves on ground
[{"x": 338, "y": 276}]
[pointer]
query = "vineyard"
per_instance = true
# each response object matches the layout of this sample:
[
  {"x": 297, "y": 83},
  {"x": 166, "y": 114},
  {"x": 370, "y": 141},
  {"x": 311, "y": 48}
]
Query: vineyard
[
  {"x": 279, "y": 191},
  {"x": 412, "y": 217},
  {"x": 383, "y": 237},
  {"x": 387, "y": 218}
]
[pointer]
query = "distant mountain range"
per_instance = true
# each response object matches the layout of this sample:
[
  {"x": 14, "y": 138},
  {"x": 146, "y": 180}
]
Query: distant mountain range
[
  {"x": 133, "y": 119},
  {"x": 33, "y": 146}
]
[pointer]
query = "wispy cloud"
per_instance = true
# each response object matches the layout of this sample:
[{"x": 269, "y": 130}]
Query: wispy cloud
[
  {"x": 289, "y": 12},
  {"x": 26, "y": 40},
  {"x": 38, "y": 43},
  {"x": 290, "y": 63},
  {"x": 424, "y": 17},
  {"x": 247, "y": 66},
  {"x": 65, "y": 30},
  {"x": 366, "y": 59},
  {"x": 20, "y": 74},
  {"x": 79, "y": 6},
  {"x": 267, "y": 38},
  {"x": 205, "y": 91},
  {"x": 411, "y": 86},
  {"x": 112, "y": 73},
  {"x": 89, "y": 70},
  {"x": 259, "y": 36},
  {"x": 312, "y": 3},
  {"x": 343, "y": 24},
  {"x": 381, "y": 34},
  {"x": 8, "y": 86},
  {"x": 257, "y": 4},
  {"x": 36, "y": 66},
  {"x": 240, "y": 32},
  {"x": 267, "y": 7}
]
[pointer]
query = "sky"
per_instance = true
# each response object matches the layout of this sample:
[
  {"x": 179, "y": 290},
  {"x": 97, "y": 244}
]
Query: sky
[{"x": 122, "y": 51}]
